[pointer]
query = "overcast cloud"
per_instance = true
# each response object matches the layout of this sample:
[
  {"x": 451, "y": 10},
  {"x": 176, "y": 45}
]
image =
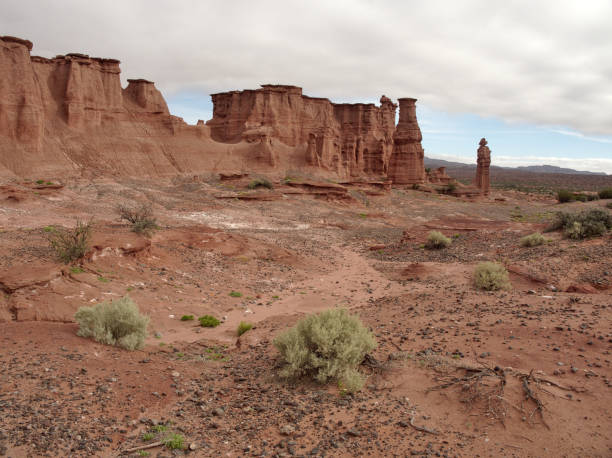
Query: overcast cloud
[{"x": 541, "y": 62}]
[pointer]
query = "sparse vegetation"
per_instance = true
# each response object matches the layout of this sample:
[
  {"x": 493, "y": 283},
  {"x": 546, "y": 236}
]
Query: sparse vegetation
[
  {"x": 450, "y": 188},
  {"x": 235, "y": 294},
  {"x": 141, "y": 217},
  {"x": 187, "y": 318},
  {"x": 260, "y": 183},
  {"x": 117, "y": 322},
  {"x": 244, "y": 327},
  {"x": 564, "y": 195},
  {"x": 436, "y": 240},
  {"x": 532, "y": 240},
  {"x": 491, "y": 276},
  {"x": 605, "y": 193},
  {"x": 71, "y": 244},
  {"x": 76, "y": 270},
  {"x": 328, "y": 345},
  {"x": 589, "y": 223},
  {"x": 209, "y": 321},
  {"x": 175, "y": 442},
  {"x": 148, "y": 436},
  {"x": 609, "y": 205}
]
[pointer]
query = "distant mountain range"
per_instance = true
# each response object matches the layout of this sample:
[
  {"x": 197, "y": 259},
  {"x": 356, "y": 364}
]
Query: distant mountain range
[{"x": 435, "y": 163}]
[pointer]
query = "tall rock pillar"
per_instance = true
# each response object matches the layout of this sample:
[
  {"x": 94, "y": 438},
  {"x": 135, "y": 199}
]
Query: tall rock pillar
[
  {"x": 482, "y": 168},
  {"x": 406, "y": 165}
]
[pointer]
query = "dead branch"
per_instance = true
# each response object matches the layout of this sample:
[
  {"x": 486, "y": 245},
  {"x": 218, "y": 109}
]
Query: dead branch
[
  {"x": 143, "y": 447},
  {"x": 423, "y": 429},
  {"x": 530, "y": 395}
]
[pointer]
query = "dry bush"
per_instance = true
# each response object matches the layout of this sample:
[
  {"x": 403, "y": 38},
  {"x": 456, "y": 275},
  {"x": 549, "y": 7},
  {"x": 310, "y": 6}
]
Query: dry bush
[
  {"x": 117, "y": 322},
  {"x": 436, "y": 240},
  {"x": 605, "y": 193},
  {"x": 70, "y": 244},
  {"x": 141, "y": 217},
  {"x": 491, "y": 276},
  {"x": 589, "y": 223},
  {"x": 328, "y": 345},
  {"x": 260, "y": 183},
  {"x": 534, "y": 239}
]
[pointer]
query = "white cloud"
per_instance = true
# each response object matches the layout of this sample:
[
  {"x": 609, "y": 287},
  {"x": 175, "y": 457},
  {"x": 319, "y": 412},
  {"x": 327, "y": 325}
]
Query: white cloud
[{"x": 545, "y": 62}]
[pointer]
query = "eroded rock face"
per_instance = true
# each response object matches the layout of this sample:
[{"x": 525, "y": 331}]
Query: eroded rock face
[
  {"x": 348, "y": 139},
  {"x": 482, "y": 168},
  {"x": 70, "y": 116},
  {"x": 407, "y": 160}
]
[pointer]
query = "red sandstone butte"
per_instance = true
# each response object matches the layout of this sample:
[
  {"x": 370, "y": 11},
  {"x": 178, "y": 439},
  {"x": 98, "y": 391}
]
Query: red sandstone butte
[
  {"x": 482, "y": 168},
  {"x": 69, "y": 116}
]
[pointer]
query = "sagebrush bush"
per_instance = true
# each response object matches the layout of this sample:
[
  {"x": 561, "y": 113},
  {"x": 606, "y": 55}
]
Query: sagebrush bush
[
  {"x": 117, "y": 322},
  {"x": 437, "y": 240},
  {"x": 141, "y": 217},
  {"x": 209, "y": 321},
  {"x": 260, "y": 183},
  {"x": 589, "y": 223},
  {"x": 534, "y": 239},
  {"x": 71, "y": 244},
  {"x": 609, "y": 205},
  {"x": 328, "y": 345},
  {"x": 564, "y": 195},
  {"x": 491, "y": 276},
  {"x": 605, "y": 193}
]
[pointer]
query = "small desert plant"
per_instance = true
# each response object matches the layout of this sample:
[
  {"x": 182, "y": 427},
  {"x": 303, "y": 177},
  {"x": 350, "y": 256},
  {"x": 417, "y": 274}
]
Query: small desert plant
[
  {"x": 534, "y": 239},
  {"x": 175, "y": 442},
  {"x": 235, "y": 294},
  {"x": 609, "y": 205},
  {"x": 590, "y": 223},
  {"x": 563, "y": 195},
  {"x": 450, "y": 187},
  {"x": 605, "y": 193},
  {"x": 244, "y": 327},
  {"x": 260, "y": 183},
  {"x": 436, "y": 240},
  {"x": 187, "y": 318},
  {"x": 118, "y": 322},
  {"x": 491, "y": 276},
  {"x": 76, "y": 270},
  {"x": 208, "y": 321},
  {"x": 148, "y": 436},
  {"x": 71, "y": 244},
  {"x": 328, "y": 345},
  {"x": 141, "y": 217}
]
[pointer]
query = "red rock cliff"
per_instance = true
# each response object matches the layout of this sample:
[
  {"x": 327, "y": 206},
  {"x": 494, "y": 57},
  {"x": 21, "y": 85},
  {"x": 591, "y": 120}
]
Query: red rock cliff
[{"x": 70, "y": 116}]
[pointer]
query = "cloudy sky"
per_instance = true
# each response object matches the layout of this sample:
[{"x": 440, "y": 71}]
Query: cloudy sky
[{"x": 534, "y": 77}]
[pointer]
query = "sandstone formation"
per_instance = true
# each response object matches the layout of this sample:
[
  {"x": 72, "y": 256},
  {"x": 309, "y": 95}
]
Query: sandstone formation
[
  {"x": 69, "y": 115},
  {"x": 438, "y": 176},
  {"x": 406, "y": 165},
  {"x": 482, "y": 168}
]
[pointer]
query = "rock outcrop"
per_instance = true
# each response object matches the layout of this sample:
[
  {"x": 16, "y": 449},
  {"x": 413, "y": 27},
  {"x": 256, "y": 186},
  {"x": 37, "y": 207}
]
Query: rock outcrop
[
  {"x": 482, "y": 180},
  {"x": 407, "y": 160},
  {"x": 69, "y": 115}
]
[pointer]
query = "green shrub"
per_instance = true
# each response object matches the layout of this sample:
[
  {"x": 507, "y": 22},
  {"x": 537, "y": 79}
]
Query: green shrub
[
  {"x": 235, "y": 294},
  {"x": 605, "y": 193},
  {"x": 260, "y": 183},
  {"x": 609, "y": 205},
  {"x": 148, "y": 436},
  {"x": 588, "y": 223},
  {"x": 491, "y": 276},
  {"x": 40, "y": 181},
  {"x": 564, "y": 195},
  {"x": 535, "y": 239},
  {"x": 328, "y": 345},
  {"x": 113, "y": 323},
  {"x": 450, "y": 188},
  {"x": 209, "y": 321},
  {"x": 175, "y": 442},
  {"x": 244, "y": 327},
  {"x": 71, "y": 244},
  {"x": 141, "y": 217},
  {"x": 187, "y": 318},
  {"x": 436, "y": 240}
]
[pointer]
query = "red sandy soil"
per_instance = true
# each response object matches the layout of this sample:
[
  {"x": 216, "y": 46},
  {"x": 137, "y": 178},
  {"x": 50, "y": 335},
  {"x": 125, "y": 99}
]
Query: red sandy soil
[{"x": 450, "y": 376}]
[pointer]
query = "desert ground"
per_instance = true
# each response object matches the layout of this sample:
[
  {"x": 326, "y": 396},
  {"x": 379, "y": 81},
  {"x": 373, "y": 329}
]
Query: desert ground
[{"x": 457, "y": 371}]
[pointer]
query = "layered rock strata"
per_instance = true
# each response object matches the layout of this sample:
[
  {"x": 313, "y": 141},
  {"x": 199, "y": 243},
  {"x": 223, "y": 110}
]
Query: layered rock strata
[
  {"x": 407, "y": 159},
  {"x": 69, "y": 115}
]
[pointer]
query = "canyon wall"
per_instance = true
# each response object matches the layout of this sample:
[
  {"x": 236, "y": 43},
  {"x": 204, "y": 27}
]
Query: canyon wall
[{"x": 69, "y": 115}]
